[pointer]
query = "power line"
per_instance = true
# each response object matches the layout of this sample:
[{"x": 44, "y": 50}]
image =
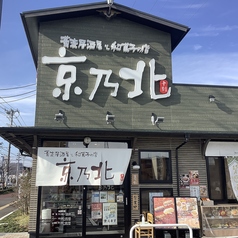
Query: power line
[
  {"x": 5, "y": 102},
  {"x": 19, "y": 94},
  {"x": 18, "y": 99},
  {"x": 22, "y": 119},
  {"x": 153, "y": 5},
  {"x": 29, "y": 85}
]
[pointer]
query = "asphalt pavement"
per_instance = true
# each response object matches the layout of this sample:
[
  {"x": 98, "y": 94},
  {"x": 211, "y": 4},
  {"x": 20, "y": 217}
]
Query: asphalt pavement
[{"x": 7, "y": 205}]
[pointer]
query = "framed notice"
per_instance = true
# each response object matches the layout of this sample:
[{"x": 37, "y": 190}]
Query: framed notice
[
  {"x": 103, "y": 196},
  {"x": 111, "y": 196},
  {"x": 134, "y": 179},
  {"x": 109, "y": 214},
  {"x": 195, "y": 191},
  {"x": 135, "y": 202},
  {"x": 96, "y": 210},
  {"x": 203, "y": 191},
  {"x": 164, "y": 211},
  {"x": 187, "y": 211},
  {"x": 95, "y": 196}
]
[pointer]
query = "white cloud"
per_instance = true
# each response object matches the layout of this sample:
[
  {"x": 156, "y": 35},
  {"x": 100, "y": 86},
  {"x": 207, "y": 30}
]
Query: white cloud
[
  {"x": 207, "y": 69},
  {"x": 202, "y": 33},
  {"x": 197, "y": 47},
  {"x": 185, "y": 6},
  {"x": 211, "y": 28}
]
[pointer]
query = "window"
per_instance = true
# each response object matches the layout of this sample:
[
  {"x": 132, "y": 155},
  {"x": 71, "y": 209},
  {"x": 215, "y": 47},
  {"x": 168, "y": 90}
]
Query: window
[
  {"x": 147, "y": 194},
  {"x": 219, "y": 180},
  {"x": 155, "y": 166}
]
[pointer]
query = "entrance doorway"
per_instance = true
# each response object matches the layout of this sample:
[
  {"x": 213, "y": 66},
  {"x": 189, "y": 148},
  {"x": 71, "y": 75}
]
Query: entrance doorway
[
  {"x": 85, "y": 211},
  {"x": 81, "y": 211}
]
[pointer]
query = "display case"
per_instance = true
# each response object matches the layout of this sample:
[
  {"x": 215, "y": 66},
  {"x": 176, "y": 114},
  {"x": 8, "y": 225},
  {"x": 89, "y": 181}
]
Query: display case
[{"x": 220, "y": 220}]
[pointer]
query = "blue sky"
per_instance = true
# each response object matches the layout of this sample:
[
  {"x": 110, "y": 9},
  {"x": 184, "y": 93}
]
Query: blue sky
[{"x": 209, "y": 52}]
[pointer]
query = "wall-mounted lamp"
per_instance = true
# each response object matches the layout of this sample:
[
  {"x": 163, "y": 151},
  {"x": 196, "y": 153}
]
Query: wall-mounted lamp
[
  {"x": 135, "y": 166},
  {"x": 211, "y": 98},
  {"x": 156, "y": 120},
  {"x": 59, "y": 116},
  {"x": 110, "y": 118},
  {"x": 86, "y": 141}
]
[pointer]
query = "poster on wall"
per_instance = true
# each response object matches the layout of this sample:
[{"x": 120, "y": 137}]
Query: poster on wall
[
  {"x": 111, "y": 196},
  {"x": 103, "y": 196},
  {"x": 164, "y": 210},
  {"x": 187, "y": 211},
  {"x": 96, "y": 210},
  {"x": 95, "y": 197},
  {"x": 203, "y": 191},
  {"x": 195, "y": 191},
  {"x": 109, "y": 214},
  {"x": 194, "y": 177},
  {"x": 184, "y": 181}
]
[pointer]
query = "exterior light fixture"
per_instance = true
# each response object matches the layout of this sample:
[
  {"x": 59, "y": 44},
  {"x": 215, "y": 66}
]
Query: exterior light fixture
[
  {"x": 156, "y": 120},
  {"x": 86, "y": 141},
  {"x": 110, "y": 118},
  {"x": 59, "y": 116},
  {"x": 135, "y": 166},
  {"x": 211, "y": 98}
]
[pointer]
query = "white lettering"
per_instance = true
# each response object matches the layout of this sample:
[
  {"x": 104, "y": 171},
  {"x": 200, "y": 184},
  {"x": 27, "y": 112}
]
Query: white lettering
[
  {"x": 66, "y": 76},
  {"x": 156, "y": 77},
  {"x": 136, "y": 75},
  {"x": 125, "y": 47},
  {"x": 100, "y": 73}
]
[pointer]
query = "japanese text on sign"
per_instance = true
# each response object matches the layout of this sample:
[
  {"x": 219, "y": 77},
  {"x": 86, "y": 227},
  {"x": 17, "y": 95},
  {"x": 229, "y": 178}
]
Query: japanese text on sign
[
  {"x": 99, "y": 167},
  {"x": 125, "y": 47},
  {"x": 66, "y": 77}
]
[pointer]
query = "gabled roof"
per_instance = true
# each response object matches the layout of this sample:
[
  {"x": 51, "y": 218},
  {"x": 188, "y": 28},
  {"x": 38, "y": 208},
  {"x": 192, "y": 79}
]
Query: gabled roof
[{"x": 32, "y": 19}]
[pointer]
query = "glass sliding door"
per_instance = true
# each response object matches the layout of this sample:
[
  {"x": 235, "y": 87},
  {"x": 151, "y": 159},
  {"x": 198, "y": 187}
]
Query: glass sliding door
[
  {"x": 65, "y": 211},
  {"x": 85, "y": 210},
  {"x": 62, "y": 209},
  {"x": 105, "y": 210}
]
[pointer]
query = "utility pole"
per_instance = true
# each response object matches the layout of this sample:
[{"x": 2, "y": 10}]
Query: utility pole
[
  {"x": 17, "y": 175},
  {"x": 10, "y": 114}
]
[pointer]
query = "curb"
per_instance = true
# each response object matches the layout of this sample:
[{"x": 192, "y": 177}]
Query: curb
[{"x": 15, "y": 235}]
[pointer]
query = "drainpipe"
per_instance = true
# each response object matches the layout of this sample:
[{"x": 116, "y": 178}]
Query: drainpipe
[{"x": 177, "y": 169}]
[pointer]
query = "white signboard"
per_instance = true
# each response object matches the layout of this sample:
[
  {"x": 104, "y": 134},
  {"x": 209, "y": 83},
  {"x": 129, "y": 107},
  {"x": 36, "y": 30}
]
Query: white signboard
[{"x": 84, "y": 166}]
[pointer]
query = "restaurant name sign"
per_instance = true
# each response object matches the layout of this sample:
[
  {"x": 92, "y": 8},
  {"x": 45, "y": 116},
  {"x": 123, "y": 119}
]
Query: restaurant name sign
[
  {"x": 84, "y": 166},
  {"x": 66, "y": 75}
]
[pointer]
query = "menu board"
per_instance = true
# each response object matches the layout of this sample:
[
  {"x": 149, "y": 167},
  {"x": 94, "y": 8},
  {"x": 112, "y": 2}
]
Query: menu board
[
  {"x": 164, "y": 210},
  {"x": 187, "y": 211},
  {"x": 61, "y": 218}
]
